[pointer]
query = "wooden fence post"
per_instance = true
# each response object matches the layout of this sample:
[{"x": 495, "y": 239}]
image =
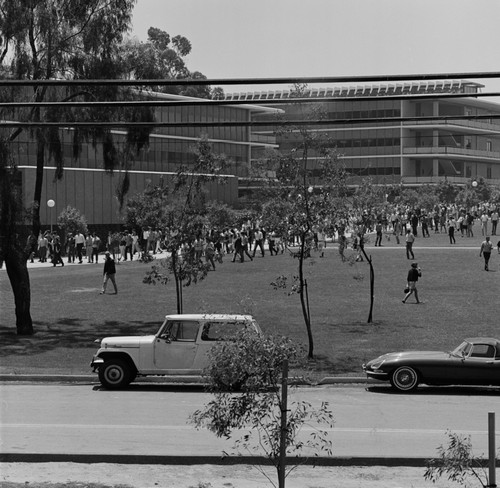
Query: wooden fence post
[{"x": 492, "y": 483}]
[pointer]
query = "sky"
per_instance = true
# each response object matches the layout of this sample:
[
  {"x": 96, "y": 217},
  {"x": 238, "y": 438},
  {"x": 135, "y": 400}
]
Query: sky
[{"x": 310, "y": 38}]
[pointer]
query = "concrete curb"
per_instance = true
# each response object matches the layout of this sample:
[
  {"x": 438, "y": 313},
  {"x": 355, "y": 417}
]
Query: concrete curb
[
  {"x": 181, "y": 379},
  {"x": 215, "y": 460}
]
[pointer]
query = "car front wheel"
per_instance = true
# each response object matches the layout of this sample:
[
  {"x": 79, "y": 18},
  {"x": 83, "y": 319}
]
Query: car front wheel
[
  {"x": 115, "y": 373},
  {"x": 404, "y": 379}
]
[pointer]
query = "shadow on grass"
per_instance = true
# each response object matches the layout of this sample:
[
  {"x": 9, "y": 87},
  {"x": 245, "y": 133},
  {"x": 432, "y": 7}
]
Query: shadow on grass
[
  {"x": 68, "y": 333},
  {"x": 357, "y": 327}
]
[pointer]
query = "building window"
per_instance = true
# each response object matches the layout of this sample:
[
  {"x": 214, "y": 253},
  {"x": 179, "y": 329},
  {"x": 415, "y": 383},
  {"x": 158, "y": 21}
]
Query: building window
[
  {"x": 488, "y": 145},
  {"x": 488, "y": 172}
]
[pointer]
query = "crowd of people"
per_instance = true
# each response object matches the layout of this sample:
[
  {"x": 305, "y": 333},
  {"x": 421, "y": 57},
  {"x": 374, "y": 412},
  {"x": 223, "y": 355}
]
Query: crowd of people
[
  {"x": 76, "y": 247},
  {"x": 251, "y": 238},
  {"x": 405, "y": 222}
]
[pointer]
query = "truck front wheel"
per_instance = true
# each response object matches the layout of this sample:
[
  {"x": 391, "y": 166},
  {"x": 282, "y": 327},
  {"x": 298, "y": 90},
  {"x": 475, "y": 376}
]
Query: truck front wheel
[{"x": 115, "y": 373}]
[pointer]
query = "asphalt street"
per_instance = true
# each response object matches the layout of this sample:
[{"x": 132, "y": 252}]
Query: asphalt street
[{"x": 152, "y": 420}]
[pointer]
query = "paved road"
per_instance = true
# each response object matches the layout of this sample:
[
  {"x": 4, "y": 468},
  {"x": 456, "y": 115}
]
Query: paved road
[{"x": 152, "y": 420}]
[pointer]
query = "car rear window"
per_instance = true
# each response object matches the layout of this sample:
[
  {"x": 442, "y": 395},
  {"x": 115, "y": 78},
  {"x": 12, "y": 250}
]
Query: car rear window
[{"x": 219, "y": 331}]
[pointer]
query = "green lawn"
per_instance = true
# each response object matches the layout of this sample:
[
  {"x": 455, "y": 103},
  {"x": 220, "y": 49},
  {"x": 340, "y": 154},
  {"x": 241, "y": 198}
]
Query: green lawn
[{"x": 460, "y": 300}]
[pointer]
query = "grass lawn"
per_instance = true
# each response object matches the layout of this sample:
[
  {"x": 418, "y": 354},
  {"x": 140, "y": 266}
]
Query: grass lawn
[{"x": 460, "y": 300}]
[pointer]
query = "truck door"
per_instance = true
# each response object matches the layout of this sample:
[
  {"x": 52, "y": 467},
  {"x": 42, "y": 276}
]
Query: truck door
[{"x": 175, "y": 348}]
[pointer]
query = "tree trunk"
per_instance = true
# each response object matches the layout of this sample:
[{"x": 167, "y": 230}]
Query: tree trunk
[
  {"x": 178, "y": 282},
  {"x": 372, "y": 285},
  {"x": 37, "y": 195},
  {"x": 17, "y": 270},
  {"x": 303, "y": 302},
  {"x": 283, "y": 427}
]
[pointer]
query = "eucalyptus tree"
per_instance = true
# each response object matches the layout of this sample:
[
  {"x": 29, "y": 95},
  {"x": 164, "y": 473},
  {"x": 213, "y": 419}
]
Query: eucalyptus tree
[
  {"x": 65, "y": 40},
  {"x": 162, "y": 56},
  {"x": 181, "y": 207}
]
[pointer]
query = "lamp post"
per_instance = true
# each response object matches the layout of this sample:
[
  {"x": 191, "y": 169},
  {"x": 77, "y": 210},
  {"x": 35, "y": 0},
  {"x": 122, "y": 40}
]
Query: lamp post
[{"x": 50, "y": 204}]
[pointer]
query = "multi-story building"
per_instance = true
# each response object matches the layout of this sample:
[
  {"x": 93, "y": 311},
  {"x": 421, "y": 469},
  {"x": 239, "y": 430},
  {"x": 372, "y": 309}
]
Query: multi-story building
[
  {"x": 434, "y": 138},
  {"x": 87, "y": 187},
  {"x": 406, "y": 140}
]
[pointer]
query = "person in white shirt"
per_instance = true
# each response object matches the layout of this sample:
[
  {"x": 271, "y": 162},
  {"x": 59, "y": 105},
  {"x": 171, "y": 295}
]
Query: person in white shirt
[
  {"x": 484, "y": 224},
  {"x": 79, "y": 242},
  {"x": 494, "y": 222},
  {"x": 259, "y": 242},
  {"x": 486, "y": 248}
]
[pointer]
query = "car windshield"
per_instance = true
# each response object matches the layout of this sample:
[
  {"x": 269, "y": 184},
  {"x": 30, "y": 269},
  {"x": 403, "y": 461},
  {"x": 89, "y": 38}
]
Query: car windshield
[{"x": 463, "y": 350}]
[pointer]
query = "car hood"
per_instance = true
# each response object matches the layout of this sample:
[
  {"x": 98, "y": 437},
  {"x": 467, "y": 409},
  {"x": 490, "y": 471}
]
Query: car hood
[
  {"x": 126, "y": 341},
  {"x": 411, "y": 355},
  {"x": 418, "y": 354}
]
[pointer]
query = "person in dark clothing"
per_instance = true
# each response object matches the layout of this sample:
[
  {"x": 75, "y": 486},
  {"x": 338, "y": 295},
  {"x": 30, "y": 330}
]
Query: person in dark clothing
[
  {"x": 56, "y": 252},
  {"x": 414, "y": 224},
  {"x": 378, "y": 229},
  {"x": 109, "y": 273},
  {"x": 413, "y": 275},
  {"x": 238, "y": 249}
]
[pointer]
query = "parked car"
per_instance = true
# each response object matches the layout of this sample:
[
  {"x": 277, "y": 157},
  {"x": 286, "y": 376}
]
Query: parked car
[
  {"x": 179, "y": 347},
  {"x": 474, "y": 362}
]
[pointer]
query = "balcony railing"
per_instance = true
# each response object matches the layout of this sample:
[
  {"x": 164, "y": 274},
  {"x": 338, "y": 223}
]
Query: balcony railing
[
  {"x": 264, "y": 139},
  {"x": 471, "y": 124},
  {"x": 454, "y": 151}
]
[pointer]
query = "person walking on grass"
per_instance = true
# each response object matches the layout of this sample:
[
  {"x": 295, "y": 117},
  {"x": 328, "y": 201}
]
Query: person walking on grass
[
  {"x": 79, "y": 243},
  {"x": 410, "y": 239},
  {"x": 109, "y": 273},
  {"x": 413, "y": 275},
  {"x": 259, "y": 242},
  {"x": 494, "y": 222},
  {"x": 238, "y": 249},
  {"x": 56, "y": 252},
  {"x": 210, "y": 252},
  {"x": 451, "y": 231},
  {"x": 486, "y": 248},
  {"x": 96, "y": 244},
  {"x": 378, "y": 230}
]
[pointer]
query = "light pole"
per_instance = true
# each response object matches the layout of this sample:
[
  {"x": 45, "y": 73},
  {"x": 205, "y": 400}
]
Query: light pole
[{"x": 50, "y": 204}]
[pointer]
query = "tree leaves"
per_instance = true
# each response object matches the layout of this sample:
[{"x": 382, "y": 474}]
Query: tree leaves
[
  {"x": 254, "y": 363},
  {"x": 457, "y": 462}
]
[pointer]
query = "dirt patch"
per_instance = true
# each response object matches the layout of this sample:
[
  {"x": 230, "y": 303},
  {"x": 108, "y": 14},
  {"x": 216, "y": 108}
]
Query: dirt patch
[{"x": 73, "y": 475}]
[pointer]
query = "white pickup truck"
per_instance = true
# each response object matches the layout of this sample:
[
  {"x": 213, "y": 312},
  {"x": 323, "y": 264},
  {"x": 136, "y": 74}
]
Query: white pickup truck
[{"x": 179, "y": 347}]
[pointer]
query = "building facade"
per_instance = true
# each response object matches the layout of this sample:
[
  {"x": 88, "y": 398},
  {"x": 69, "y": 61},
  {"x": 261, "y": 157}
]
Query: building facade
[
  {"x": 89, "y": 188},
  {"x": 362, "y": 123},
  {"x": 414, "y": 151}
]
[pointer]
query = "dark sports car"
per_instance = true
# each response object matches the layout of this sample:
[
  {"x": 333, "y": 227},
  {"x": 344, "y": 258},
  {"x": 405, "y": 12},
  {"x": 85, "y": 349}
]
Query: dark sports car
[{"x": 474, "y": 362}]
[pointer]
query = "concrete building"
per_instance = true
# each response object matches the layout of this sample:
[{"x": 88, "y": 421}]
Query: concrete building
[
  {"x": 87, "y": 187},
  {"x": 363, "y": 125},
  {"x": 413, "y": 152}
]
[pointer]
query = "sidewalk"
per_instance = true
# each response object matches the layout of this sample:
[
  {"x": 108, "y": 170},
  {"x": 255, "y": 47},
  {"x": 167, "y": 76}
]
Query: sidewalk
[{"x": 435, "y": 241}]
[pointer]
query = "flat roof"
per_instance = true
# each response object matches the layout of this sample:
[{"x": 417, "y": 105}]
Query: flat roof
[
  {"x": 376, "y": 90},
  {"x": 209, "y": 316},
  {"x": 181, "y": 98}
]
